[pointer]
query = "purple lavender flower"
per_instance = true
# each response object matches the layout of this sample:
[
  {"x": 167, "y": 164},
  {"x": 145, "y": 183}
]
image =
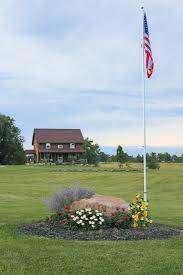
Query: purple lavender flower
[{"x": 67, "y": 196}]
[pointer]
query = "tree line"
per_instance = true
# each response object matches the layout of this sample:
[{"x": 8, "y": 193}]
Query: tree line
[
  {"x": 95, "y": 155},
  {"x": 12, "y": 152},
  {"x": 160, "y": 157}
]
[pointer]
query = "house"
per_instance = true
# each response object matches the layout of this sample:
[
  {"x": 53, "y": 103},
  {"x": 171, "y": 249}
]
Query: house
[{"x": 57, "y": 145}]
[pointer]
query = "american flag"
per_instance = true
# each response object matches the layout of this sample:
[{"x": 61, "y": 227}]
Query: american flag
[{"x": 149, "y": 63}]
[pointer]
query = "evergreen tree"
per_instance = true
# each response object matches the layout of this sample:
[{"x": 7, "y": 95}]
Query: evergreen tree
[{"x": 121, "y": 156}]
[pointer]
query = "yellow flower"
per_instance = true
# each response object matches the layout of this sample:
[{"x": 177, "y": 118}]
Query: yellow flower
[
  {"x": 129, "y": 208},
  {"x": 135, "y": 224},
  {"x": 145, "y": 213},
  {"x": 142, "y": 208},
  {"x": 150, "y": 221},
  {"x": 136, "y": 217}
]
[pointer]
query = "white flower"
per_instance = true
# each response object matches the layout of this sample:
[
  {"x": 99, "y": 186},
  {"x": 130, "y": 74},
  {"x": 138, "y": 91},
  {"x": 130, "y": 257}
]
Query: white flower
[
  {"x": 82, "y": 223},
  {"x": 82, "y": 210},
  {"x": 90, "y": 213},
  {"x": 90, "y": 222},
  {"x": 96, "y": 211},
  {"x": 79, "y": 213},
  {"x": 93, "y": 216},
  {"x": 100, "y": 222},
  {"x": 74, "y": 219},
  {"x": 93, "y": 226},
  {"x": 98, "y": 214},
  {"x": 95, "y": 219},
  {"x": 72, "y": 216},
  {"x": 93, "y": 222}
]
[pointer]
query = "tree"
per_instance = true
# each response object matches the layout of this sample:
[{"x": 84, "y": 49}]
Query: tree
[
  {"x": 11, "y": 142},
  {"x": 92, "y": 151},
  {"x": 121, "y": 156},
  {"x": 139, "y": 158},
  {"x": 175, "y": 158},
  {"x": 112, "y": 158},
  {"x": 103, "y": 157},
  {"x": 152, "y": 162}
]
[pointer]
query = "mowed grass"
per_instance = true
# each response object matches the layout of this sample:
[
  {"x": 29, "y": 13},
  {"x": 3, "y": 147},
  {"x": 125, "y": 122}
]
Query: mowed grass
[{"x": 22, "y": 190}]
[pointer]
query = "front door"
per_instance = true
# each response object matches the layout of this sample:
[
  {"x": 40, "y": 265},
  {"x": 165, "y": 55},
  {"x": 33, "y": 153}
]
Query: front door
[{"x": 60, "y": 158}]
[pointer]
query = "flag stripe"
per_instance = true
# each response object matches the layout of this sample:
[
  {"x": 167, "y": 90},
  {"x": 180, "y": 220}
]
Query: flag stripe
[{"x": 149, "y": 63}]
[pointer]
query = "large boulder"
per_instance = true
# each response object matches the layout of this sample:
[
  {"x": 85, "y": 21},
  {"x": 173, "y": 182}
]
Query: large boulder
[{"x": 105, "y": 204}]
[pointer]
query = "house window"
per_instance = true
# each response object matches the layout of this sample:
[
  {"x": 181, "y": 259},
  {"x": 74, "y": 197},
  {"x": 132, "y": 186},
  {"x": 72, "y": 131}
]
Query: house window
[
  {"x": 60, "y": 146},
  {"x": 72, "y": 145},
  {"x": 48, "y": 146}
]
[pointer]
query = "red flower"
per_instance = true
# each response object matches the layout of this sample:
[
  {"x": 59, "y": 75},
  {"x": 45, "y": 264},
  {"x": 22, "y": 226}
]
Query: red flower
[
  {"x": 62, "y": 212},
  {"x": 119, "y": 219},
  {"x": 67, "y": 207},
  {"x": 123, "y": 209},
  {"x": 64, "y": 221}
]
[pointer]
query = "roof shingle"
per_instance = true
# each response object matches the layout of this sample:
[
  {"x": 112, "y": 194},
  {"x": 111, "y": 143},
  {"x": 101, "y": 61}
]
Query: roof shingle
[{"x": 58, "y": 136}]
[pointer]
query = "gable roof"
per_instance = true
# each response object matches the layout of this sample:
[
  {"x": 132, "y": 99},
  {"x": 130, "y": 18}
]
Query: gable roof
[{"x": 57, "y": 136}]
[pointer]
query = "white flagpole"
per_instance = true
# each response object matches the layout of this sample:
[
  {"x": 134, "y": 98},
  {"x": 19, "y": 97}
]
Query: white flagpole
[{"x": 144, "y": 114}]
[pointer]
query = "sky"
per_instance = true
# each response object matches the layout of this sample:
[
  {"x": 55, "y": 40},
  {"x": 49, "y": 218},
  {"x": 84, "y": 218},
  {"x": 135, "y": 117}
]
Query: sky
[{"x": 78, "y": 64}]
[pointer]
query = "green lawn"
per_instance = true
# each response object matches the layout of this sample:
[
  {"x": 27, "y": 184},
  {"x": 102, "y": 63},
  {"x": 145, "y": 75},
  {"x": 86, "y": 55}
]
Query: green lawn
[{"x": 22, "y": 190}]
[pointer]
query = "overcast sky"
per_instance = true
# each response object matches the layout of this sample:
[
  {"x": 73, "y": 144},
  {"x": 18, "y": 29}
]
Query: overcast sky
[{"x": 78, "y": 63}]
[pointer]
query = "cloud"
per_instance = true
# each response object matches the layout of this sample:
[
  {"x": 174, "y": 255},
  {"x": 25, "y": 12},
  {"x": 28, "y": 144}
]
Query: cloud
[{"x": 78, "y": 64}]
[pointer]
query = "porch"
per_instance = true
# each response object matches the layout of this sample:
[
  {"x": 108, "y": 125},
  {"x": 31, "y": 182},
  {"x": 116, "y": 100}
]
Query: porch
[{"x": 58, "y": 157}]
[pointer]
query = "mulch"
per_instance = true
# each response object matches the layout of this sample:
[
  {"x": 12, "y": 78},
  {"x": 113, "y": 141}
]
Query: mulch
[
  {"x": 88, "y": 170},
  {"x": 56, "y": 230}
]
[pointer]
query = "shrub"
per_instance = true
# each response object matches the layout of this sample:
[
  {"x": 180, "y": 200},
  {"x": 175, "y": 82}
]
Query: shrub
[
  {"x": 62, "y": 216},
  {"x": 66, "y": 197},
  {"x": 86, "y": 219},
  {"x": 152, "y": 161},
  {"x": 139, "y": 212},
  {"x": 121, "y": 218},
  {"x": 153, "y": 165}
]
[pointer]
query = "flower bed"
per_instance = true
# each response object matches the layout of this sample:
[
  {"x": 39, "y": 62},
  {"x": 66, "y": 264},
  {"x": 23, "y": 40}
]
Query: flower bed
[
  {"x": 55, "y": 230},
  {"x": 89, "y": 223}
]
